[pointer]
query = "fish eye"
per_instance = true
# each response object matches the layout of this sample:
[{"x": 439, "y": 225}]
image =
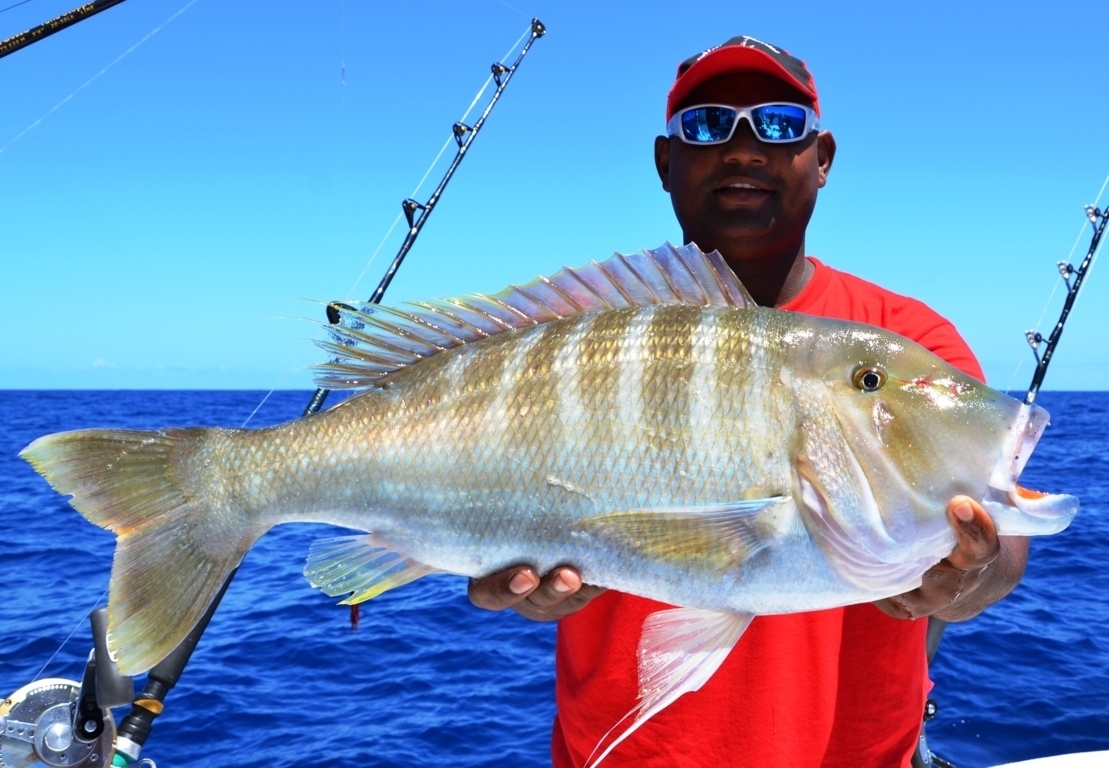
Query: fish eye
[{"x": 869, "y": 378}]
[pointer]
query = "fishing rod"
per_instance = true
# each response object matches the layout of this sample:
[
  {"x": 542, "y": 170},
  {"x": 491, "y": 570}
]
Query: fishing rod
[
  {"x": 57, "y": 24},
  {"x": 1067, "y": 271},
  {"x": 1097, "y": 220},
  {"x": 61, "y": 723},
  {"x": 464, "y": 136}
]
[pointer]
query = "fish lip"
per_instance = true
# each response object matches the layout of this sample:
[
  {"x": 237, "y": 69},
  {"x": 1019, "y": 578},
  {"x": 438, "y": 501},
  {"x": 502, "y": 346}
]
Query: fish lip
[{"x": 1025, "y": 433}]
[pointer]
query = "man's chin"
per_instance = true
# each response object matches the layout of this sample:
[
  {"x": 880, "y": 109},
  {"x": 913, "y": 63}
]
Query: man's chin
[{"x": 744, "y": 233}]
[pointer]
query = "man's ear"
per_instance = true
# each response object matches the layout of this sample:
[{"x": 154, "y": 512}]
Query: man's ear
[
  {"x": 662, "y": 160},
  {"x": 825, "y": 154}
]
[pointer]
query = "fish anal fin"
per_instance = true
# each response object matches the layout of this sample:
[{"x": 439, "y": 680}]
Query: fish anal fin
[
  {"x": 361, "y": 567},
  {"x": 679, "y": 650},
  {"x": 716, "y": 537},
  {"x": 369, "y": 342}
]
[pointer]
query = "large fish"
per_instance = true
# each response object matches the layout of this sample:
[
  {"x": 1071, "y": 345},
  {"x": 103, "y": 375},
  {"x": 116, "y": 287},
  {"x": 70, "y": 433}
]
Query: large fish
[{"x": 638, "y": 419}]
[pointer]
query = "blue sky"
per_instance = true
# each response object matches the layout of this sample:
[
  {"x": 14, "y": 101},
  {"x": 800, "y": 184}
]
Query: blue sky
[{"x": 159, "y": 229}]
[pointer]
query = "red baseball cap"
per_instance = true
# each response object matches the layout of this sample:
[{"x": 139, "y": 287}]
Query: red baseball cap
[{"x": 741, "y": 54}]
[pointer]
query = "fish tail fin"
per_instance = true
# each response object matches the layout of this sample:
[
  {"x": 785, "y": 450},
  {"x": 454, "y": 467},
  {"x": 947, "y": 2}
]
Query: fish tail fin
[{"x": 175, "y": 545}]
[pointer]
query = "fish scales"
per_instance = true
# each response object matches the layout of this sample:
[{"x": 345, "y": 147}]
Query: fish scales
[{"x": 489, "y": 455}]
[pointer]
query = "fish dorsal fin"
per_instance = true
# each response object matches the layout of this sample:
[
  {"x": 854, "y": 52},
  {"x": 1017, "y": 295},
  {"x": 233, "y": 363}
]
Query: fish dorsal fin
[{"x": 371, "y": 341}]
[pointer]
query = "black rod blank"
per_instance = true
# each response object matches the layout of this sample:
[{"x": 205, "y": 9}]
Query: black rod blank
[
  {"x": 1098, "y": 219},
  {"x": 44, "y": 30},
  {"x": 465, "y": 136}
]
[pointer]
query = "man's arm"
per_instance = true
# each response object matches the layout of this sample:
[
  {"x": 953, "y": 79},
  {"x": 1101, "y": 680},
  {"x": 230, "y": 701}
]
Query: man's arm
[{"x": 983, "y": 568}]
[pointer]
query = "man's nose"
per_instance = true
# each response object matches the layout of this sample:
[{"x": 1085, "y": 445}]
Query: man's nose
[{"x": 744, "y": 146}]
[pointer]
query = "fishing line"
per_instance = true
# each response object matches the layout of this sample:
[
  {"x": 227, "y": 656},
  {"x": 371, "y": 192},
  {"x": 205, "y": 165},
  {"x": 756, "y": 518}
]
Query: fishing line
[
  {"x": 430, "y": 168},
  {"x": 1089, "y": 270},
  {"x": 72, "y": 632},
  {"x": 267, "y": 397},
  {"x": 502, "y": 2},
  {"x": 1070, "y": 255},
  {"x": 24, "y": 2},
  {"x": 1059, "y": 279},
  {"x": 1093, "y": 261},
  {"x": 362, "y": 274},
  {"x": 473, "y": 103},
  {"x": 149, "y": 35}
]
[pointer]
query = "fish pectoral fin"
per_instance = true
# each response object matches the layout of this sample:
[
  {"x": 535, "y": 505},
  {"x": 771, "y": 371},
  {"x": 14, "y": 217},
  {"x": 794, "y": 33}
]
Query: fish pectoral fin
[
  {"x": 679, "y": 650},
  {"x": 361, "y": 567},
  {"x": 717, "y": 536}
]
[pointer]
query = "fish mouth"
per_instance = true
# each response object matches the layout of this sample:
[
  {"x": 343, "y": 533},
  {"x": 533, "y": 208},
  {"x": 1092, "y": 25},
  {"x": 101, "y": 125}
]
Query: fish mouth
[
  {"x": 1040, "y": 513},
  {"x": 1029, "y": 424}
]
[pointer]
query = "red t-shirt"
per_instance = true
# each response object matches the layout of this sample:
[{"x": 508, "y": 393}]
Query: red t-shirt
[{"x": 841, "y": 687}]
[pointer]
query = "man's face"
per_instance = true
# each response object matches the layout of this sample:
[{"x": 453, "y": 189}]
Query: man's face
[{"x": 749, "y": 199}]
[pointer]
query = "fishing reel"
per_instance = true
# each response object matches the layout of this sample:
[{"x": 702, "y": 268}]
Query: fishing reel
[
  {"x": 56, "y": 722},
  {"x": 41, "y": 724}
]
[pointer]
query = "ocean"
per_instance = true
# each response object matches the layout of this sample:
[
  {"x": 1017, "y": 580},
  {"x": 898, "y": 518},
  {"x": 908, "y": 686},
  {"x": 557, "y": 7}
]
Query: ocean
[{"x": 281, "y": 679}]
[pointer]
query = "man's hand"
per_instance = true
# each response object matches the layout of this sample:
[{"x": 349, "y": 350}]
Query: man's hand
[
  {"x": 981, "y": 570},
  {"x": 557, "y": 594}
]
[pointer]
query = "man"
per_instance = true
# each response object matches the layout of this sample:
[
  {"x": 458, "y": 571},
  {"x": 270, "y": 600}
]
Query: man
[{"x": 843, "y": 687}]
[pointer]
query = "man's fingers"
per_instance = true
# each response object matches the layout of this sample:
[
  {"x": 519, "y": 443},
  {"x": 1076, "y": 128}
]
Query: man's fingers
[
  {"x": 957, "y": 574},
  {"x": 941, "y": 585},
  {"x": 557, "y": 594},
  {"x": 978, "y": 543},
  {"x": 560, "y": 594},
  {"x": 555, "y": 587},
  {"x": 503, "y": 589}
]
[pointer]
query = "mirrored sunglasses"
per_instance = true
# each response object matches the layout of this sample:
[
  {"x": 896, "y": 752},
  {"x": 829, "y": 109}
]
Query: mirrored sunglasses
[{"x": 716, "y": 123}]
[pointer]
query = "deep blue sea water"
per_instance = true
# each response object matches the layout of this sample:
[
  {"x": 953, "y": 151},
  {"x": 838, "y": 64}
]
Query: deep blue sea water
[{"x": 280, "y": 679}]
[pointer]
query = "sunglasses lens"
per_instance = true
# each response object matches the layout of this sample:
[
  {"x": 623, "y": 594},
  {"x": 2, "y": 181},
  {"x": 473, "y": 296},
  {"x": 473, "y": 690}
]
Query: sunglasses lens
[
  {"x": 779, "y": 122},
  {"x": 707, "y": 124}
]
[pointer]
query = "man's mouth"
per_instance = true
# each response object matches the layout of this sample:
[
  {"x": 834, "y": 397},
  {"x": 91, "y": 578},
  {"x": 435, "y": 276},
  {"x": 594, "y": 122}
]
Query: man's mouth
[{"x": 742, "y": 192}]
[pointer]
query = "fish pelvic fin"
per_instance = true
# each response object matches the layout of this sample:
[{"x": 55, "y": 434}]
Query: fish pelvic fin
[
  {"x": 174, "y": 549},
  {"x": 679, "y": 650},
  {"x": 368, "y": 342},
  {"x": 361, "y": 567}
]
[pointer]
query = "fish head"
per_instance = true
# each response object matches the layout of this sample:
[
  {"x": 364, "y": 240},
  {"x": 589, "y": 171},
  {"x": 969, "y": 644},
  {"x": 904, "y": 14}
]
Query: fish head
[{"x": 915, "y": 433}]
